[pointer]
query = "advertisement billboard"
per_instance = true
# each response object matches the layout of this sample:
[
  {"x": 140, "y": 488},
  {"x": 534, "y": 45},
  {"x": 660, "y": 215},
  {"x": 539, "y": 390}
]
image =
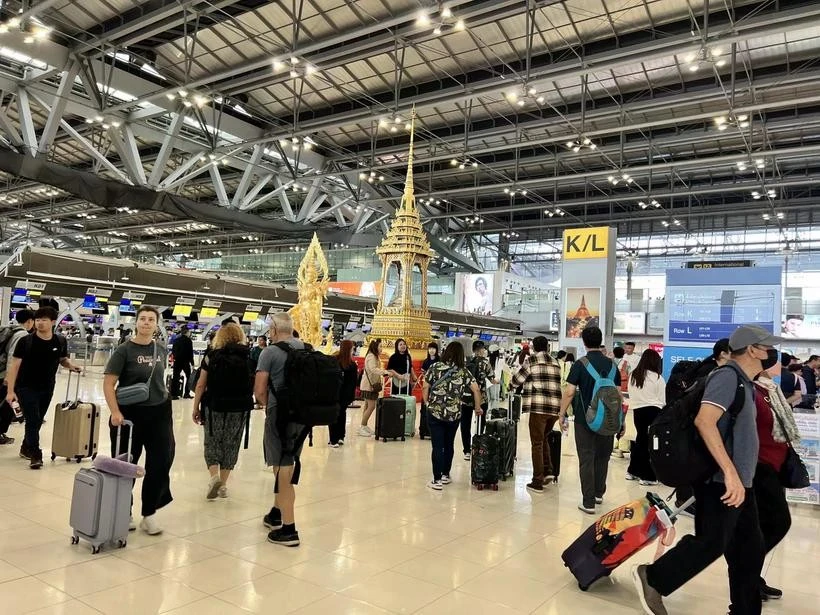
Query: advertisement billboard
[
  {"x": 583, "y": 310},
  {"x": 801, "y": 326},
  {"x": 630, "y": 322},
  {"x": 359, "y": 289},
  {"x": 477, "y": 292}
]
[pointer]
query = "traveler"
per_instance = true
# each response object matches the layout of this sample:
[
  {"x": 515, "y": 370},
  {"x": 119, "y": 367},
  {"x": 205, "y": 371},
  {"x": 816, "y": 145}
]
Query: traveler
[
  {"x": 371, "y": 383},
  {"x": 432, "y": 357},
  {"x": 223, "y": 400},
  {"x": 775, "y": 428},
  {"x": 810, "y": 368},
  {"x": 401, "y": 364},
  {"x": 256, "y": 351},
  {"x": 789, "y": 384},
  {"x": 282, "y": 443},
  {"x": 522, "y": 356},
  {"x": 540, "y": 379},
  {"x": 726, "y": 517},
  {"x": 9, "y": 338},
  {"x": 647, "y": 396},
  {"x": 135, "y": 362},
  {"x": 347, "y": 393},
  {"x": 444, "y": 387},
  {"x": 31, "y": 377},
  {"x": 183, "y": 350},
  {"x": 569, "y": 359},
  {"x": 593, "y": 449},
  {"x": 623, "y": 445},
  {"x": 479, "y": 367},
  {"x": 497, "y": 365},
  {"x": 631, "y": 358}
]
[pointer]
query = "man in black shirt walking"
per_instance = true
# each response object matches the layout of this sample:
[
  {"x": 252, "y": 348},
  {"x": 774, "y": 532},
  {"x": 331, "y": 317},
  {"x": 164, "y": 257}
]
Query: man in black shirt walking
[
  {"x": 183, "y": 361},
  {"x": 31, "y": 376}
]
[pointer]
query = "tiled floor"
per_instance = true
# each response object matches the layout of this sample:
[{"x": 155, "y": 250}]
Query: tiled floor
[{"x": 374, "y": 540}]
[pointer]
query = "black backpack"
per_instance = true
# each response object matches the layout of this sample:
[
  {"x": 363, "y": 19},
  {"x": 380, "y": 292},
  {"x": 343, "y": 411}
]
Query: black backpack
[
  {"x": 310, "y": 393},
  {"x": 6, "y": 335},
  {"x": 677, "y": 452},
  {"x": 681, "y": 378},
  {"x": 230, "y": 380}
]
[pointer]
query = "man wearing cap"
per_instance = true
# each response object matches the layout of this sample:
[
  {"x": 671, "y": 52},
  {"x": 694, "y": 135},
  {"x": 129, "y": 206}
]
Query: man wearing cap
[{"x": 726, "y": 520}]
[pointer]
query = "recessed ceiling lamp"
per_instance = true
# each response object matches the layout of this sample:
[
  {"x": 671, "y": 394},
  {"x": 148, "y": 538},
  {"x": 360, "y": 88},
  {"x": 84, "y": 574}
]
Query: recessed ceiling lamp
[
  {"x": 705, "y": 57},
  {"x": 510, "y": 234},
  {"x": 432, "y": 201},
  {"x": 442, "y": 23},
  {"x": 779, "y": 215},
  {"x": 527, "y": 95},
  {"x": 743, "y": 166},
  {"x": 581, "y": 143},
  {"x": 188, "y": 100},
  {"x": 341, "y": 245},
  {"x": 295, "y": 67},
  {"x": 474, "y": 220},
  {"x": 296, "y": 143},
  {"x": 465, "y": 163},
  {"x": 649, "y": 203},
  {"x": 622, "y": 178},
  {"x": 371, "y": 178},
  {"x": 771, "y": 193},
  {"x": 723, "y": 122}
]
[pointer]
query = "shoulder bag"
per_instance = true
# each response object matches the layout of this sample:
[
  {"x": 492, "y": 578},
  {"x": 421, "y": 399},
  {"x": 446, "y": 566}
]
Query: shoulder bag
[
  {"x": 135, "y": 394},
  {"x": 374, "y": 387},
  {"x": 793, "y": 473}
]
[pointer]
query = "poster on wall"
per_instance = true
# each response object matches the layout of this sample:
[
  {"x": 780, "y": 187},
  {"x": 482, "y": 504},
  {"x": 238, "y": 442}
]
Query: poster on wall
[
  {"x": 583, "y": 310},
  {"x": 801, "y": 326},
  {"x": 809, "y": 450},
  {"x": 478, "y": 294},
  {"x": 629, "y": 322}
]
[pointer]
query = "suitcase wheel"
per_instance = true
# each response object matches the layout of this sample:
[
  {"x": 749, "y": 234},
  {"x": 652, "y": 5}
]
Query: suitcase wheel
[
  {"x": 75, "y": 540},
  {"x": 384, "y": 440},
  {"x": 53, "y": 457},
  {"x": 583, "y": 588},
  {"x": 480, "y": 487},
  {"x": 78, "y": 458},
  {"x": 93, "y": 457},
  {"x": 122, "y": 544},
  {"x": 96, "y": 550}
]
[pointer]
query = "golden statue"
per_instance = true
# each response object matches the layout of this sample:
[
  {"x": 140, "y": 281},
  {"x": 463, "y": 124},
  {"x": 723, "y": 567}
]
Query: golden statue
[
  {"x": 405, "y": 255},
  {"x": 307, "y": 313}
]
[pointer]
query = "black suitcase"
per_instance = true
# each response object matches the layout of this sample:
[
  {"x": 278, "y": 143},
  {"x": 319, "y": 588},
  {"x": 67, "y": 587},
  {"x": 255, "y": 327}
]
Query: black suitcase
[
  {"x": 515, "y": 407},
  {"x": 390, "y": 418},
  {"x": 484, "y": 461},
  {"x": 424, "y": 428},
  {"x": 555, "y": 439},
  {"x": 506, "y": 432}
]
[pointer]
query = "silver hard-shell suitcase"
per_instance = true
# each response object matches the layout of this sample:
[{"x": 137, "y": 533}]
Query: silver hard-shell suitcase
[{"x": 101, "y": 505}]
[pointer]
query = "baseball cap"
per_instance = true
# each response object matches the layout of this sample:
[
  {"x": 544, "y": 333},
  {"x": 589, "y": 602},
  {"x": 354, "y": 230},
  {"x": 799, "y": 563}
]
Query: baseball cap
[{"x": 749, "y": 335}]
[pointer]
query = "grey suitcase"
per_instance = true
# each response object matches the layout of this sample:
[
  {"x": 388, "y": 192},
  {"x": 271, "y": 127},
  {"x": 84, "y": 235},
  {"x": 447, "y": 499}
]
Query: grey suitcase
[{"x": 101, "y": 505}]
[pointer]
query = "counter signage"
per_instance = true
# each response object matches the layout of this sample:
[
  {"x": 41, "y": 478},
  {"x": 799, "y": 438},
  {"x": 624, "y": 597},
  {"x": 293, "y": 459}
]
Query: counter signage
[
  {"x": 586, "y": 243},
  {"x": 718, "y": 264}
]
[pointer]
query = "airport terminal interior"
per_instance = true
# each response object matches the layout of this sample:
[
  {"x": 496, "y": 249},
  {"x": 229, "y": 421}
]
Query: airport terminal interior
[{"x": 475, "y": 172}]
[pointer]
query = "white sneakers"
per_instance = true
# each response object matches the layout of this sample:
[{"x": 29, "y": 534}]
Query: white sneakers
[
  {"x": 223, "y": 491},
  {"x": 629, "y": 476},
  {"x": 365, "y": 431},
  {"x": 214, "y": 485},
  {"x": 435, "y": 485},
  {"x": 445, "y": 480},
  {"x": 647, "y": 483},
  {"x": 466, "y": 456},
  {"x": 150, "y": 526}
]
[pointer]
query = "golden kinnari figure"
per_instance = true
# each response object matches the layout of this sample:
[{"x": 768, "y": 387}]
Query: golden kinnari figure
[
  {"x": 405, "y": 255},
  {"x": 307, "y": 313}
]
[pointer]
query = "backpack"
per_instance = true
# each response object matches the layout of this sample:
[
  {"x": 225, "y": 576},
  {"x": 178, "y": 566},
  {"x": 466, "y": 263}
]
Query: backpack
[
  {"x": 681, "y": 378},
  {"x": 605, "y": 415},
  {"x": 310, "y": 393},
  {"x": 230, "y": 381},
  {"x": 677, "y": 452},
  {"x": 6, "y": 335}
]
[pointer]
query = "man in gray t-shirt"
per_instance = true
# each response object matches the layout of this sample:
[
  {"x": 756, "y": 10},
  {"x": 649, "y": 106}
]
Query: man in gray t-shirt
[
  {"x": 726, "y": 520},
  {"x": 282, "y": 449}
]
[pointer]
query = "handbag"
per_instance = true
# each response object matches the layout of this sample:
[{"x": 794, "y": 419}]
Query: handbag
[
  {"x": 793, "y": 473},
  {"x": 138, "y": 393}
]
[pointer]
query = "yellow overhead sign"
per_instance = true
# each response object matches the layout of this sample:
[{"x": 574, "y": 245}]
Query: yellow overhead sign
[{"x": 586, "y": 243}]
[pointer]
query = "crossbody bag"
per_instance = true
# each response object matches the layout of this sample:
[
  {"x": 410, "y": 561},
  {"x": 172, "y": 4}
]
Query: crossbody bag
[{"x": 138, "y": 393}]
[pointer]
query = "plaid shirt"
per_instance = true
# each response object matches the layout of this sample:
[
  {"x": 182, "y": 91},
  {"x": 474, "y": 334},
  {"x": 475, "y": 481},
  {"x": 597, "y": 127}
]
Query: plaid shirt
[{"x": 541, "y": 377}]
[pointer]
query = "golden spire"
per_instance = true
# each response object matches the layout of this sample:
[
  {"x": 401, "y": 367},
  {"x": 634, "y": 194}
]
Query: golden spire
[{"x": 408, "y": 199}]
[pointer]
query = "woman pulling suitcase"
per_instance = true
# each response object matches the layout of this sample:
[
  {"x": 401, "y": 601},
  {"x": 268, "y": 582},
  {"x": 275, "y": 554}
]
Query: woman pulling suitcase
[{"x": 134, "y": 388}]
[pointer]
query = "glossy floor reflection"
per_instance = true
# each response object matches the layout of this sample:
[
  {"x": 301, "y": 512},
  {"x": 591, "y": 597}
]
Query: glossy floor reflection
[{"x": 374, "y": 540}]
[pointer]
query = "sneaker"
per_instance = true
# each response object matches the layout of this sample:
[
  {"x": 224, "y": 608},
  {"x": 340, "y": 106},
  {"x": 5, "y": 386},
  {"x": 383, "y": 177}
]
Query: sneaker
[
  {"x": 132, "y": 526},
  {"x": 629, "y": 476},
  {"x": 599, "y": 501},
  {"x": 273, "y": 520},
  {"x": 150, "y": 526},
  {"x": 286, "y": 539},
  {"x": 549, "y": 479},
  {"x": 618, "y": 453},
  {"x": 365, "y": 431},
  {"x": 769, "y": 593},
  {"x": 589, "y": 511},
  {"x": 647, "y": 483},
  {"x": 445, "y": 480},
  {"x": 333, "y": 444},
  {"x": 223, "y": 491},
  {"x": 466, "y": 456},
  {"x": 36, "y": 460},
  {"x": 651, "y": 600},
  {"x": 4, "y": 439},
  {"x": 435, "y": 485},
  {"x": 24, "y": 452},
  {"x": 213, "y": 487},
  {"x": 341, "y": 442},
  {"x": 533, "y": 488}
]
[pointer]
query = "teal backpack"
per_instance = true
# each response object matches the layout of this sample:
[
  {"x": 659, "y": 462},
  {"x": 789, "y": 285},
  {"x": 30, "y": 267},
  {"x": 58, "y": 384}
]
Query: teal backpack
[{"x": 605, "y": 415}]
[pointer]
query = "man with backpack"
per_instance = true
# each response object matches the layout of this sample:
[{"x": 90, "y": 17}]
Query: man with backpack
[
  {"x": 480, "y": 369},
  {"x": 31, "y": 377},
  {"x": 593, "y": 389},
  {"x": 9, "y": 338},
  {"x": 726, "y": 519},
  {"x": 183, "y": 349}
]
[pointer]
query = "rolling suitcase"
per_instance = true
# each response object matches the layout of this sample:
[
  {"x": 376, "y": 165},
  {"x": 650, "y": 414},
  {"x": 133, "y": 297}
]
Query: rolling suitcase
[
  {"x": 506, "y": 432},
  {"x": 484, "y": 460},
  {"x": 76, "y": 427},
  {"x": 101, "y": 505},
  {"x": 409, "y": 414},
  {"x": 618, "y": 535},
  {"x": 424, "y": 428},
  {"x": 390, "y": 421},
  {"x": 555, "y": 439}
]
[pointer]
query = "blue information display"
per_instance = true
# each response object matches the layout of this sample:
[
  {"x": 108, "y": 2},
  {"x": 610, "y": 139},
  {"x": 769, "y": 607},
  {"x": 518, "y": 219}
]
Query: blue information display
[{"x": 674, "y": 354}]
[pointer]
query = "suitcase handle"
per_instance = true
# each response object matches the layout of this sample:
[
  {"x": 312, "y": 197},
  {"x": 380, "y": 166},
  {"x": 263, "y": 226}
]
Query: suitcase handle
[
  {"x": 68, "y": 400},
  {"x": 130, "y": 438}
]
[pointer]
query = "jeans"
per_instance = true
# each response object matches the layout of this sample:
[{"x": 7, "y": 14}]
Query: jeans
[
  {"x": 639, "y": 459},
  {"x": 337, "y": 430},
  {"x": 540, "y": 426},
  {"x": 467, "y": 415},
  {"x": 153, "y": 431},
  {"x": 719, "y": 530},
  {"x": 772, "y": 509},
  {"x": 593, "y": 462},
  {"x": 34, "y": 403},
  {"x": 179, "y": 368},
  {"x": 442, "y": 436}
]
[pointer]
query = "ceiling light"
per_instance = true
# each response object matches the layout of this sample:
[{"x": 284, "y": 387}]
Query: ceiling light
[
  {"x": 665, "y": 222},
  {"x": 622, "y": 178},
  {"x": 705, "y": 57},
  {"x": 723, "y": 122},
  {"x": 528, "y": 94},
  {"x": 514, "y": 192},
  {"x": 580, "y": 143},
  {"x": 766, "y": 217},
  {"x": 780, "y": 215}
]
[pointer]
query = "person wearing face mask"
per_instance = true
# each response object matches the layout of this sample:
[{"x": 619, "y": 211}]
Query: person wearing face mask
[{"x": 726, "y": 516}]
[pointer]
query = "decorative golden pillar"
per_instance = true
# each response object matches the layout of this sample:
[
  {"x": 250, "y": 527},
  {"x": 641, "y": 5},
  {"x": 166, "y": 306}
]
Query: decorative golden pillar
[
  {"x": 307, "y": 313},
  {"x": 405, "y": 255}
]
